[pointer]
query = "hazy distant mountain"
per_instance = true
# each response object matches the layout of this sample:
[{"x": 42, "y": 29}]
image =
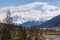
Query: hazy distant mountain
[
  {"x": 31, "y": 23},
  {"x": 54, "y": 22}
]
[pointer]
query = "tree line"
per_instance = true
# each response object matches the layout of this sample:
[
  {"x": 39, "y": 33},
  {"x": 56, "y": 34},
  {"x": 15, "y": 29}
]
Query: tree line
[{"x": 13, "y": 32}]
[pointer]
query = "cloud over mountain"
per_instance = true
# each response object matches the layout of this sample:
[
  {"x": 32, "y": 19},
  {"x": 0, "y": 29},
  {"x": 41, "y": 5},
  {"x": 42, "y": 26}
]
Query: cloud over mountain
[{"x": 32, "y": 11}]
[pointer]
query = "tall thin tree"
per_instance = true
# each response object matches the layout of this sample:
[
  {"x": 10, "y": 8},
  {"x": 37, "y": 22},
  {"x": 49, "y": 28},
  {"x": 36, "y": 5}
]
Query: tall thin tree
[{"x": 8, "y": 18}]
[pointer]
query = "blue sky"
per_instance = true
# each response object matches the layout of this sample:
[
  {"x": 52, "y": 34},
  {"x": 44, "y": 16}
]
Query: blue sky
[{"x": 4, "y": 3}]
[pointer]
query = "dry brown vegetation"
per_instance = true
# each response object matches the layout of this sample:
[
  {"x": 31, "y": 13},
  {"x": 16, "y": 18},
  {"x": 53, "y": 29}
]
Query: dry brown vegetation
[{"x": 12, "y": 32}]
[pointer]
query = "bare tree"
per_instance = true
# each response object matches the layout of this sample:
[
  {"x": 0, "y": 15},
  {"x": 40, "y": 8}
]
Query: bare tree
[{"x": 8, "y": 18}]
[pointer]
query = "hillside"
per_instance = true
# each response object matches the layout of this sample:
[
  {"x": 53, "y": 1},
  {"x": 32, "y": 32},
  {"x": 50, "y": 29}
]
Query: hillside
[{"x": 51, "y": 23}]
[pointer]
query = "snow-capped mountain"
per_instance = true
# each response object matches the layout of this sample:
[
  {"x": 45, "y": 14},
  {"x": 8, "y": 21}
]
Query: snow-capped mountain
[
  {"x": 31, "y": 23},
  {"x": 27, "y": 21},
  {"x": 32, "y": 12},
  {"x": 18, "y": 19}
]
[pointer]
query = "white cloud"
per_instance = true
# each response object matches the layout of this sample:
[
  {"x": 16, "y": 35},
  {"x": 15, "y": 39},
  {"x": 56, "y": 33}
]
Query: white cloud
[
  {"x": 28, "y": 11},
  {"x": 49, "y": 7}
]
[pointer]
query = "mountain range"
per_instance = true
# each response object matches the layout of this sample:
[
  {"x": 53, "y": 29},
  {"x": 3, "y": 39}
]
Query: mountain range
[
  {"x": 27, "y": 22},
  {"x": 31, "y": 23},
  {"x": 52, "y": 23}
]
